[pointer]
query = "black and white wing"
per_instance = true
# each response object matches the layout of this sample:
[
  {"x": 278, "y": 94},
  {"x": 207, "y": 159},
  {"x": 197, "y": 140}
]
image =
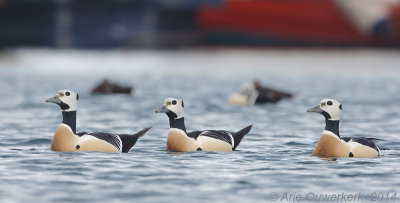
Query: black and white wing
[
  {"x": 219, "y": 135},
  {"x": 233, "y": 138},
  {"x": 113, "y": 139},
  {"x": 364, "y": 141}
]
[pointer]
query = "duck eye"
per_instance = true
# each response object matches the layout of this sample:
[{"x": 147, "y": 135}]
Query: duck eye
[
  {"x": 174, "y": 102},
  {"x": 67, "y": 93},
  {"x": 329, "y": 103}
]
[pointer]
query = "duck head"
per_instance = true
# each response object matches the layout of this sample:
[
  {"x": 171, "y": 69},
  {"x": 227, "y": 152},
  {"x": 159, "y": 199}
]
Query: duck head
[
  {"x": 172, "y": 107},
  {"x": 66, "y": 99},
  {"x": 330, "y": 108}
]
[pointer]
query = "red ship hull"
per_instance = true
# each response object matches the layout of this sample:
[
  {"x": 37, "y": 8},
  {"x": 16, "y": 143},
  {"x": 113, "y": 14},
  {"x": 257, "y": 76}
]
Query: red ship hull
[{"x": 303, "y": 21}]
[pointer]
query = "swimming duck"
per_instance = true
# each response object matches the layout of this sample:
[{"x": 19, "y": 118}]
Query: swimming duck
[
  {"x": 209, "y": 140},
  {"x": 254, "y": 93},
  {"x": 67, "y": 140},
  {"x": 107, "y": 87},
  {"x": 331, "y": 144}
]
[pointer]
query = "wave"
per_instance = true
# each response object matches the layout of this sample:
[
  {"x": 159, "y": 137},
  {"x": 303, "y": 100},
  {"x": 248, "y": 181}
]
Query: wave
[{"x": 36, "y": 141}]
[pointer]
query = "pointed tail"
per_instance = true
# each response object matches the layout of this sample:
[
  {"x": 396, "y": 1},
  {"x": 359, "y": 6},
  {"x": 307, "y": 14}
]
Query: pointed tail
[
  {"x": 142, "y": 132},
  {"x": 128, "y": 141},
  {"x": 238, "y": 136}
]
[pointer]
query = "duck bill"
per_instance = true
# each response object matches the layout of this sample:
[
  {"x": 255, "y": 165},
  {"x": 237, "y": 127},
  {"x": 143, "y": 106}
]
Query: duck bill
[
  {"x": 163, "y": 109},
  {"x": 55, "y": 100},
  {"x": 316, "y": 109}
]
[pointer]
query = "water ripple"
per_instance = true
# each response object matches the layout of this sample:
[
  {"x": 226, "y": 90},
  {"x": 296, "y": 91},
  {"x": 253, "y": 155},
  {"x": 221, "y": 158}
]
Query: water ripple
[{"x": 274, "y": 157}]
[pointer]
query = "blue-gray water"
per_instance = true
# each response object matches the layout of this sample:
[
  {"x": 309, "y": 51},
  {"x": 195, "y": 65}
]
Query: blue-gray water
[{"x": 274, "y": 157}]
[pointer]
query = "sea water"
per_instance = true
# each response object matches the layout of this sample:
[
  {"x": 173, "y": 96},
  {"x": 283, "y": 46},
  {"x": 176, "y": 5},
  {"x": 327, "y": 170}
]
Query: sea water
[{"x": 272, "y": 163}]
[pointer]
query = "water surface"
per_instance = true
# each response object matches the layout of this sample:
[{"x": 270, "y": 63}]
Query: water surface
[{"x": 274, "y": 157}]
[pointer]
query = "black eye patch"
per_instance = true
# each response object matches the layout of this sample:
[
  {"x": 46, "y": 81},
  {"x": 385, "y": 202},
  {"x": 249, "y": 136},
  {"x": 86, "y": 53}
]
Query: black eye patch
[
  {"x": 174, "y": 102},
  {"x": 329, "y": 103},
  {"x": 67, "y": 93},
  {"x": 183, "y": 105},
  {"x": 77, "y": 97},
  {"x": 340, "y": 107}
]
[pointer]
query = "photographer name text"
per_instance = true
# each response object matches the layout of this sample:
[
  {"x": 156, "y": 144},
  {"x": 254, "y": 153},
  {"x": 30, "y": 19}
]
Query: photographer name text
[{"x": 333, "y": 197}]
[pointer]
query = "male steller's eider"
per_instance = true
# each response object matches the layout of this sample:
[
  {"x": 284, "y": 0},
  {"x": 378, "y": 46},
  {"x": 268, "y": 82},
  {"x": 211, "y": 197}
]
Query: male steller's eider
[
  {"x": 331, "y": 144},
  {"x": 66, "y": 140},
  {"x": 254, "y": 93},
  {"x": 209, "y": 140}
]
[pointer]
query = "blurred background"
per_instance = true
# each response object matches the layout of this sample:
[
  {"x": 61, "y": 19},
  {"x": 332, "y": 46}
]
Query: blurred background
[{"x": 187, "y": 23}]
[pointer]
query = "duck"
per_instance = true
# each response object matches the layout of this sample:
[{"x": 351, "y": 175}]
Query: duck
[
  {"x": 331, "y": 144},
  {"x": 254, "y": 93},
  {"x": 107, "y": 87},
  {"x": 66, "y": 139},
  {"x": 179, "y": 140}
]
